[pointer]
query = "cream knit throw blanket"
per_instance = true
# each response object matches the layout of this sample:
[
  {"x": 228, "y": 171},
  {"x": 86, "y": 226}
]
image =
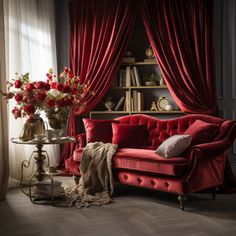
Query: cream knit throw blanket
[{"x": 96, "y": 185}]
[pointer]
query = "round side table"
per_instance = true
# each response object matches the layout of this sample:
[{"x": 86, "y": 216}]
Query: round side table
[{"x": 40, "y": 156}]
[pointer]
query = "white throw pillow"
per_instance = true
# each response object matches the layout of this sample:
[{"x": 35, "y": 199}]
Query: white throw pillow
[{"x": 174, "y": 146}]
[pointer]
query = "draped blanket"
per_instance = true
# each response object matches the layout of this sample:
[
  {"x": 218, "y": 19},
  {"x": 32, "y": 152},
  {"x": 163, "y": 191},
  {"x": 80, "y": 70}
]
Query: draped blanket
[{"x": 96, "y": 184}]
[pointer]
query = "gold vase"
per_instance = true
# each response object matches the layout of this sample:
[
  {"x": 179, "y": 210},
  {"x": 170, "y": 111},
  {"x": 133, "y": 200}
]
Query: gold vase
[{"x": 34, "y": 125}]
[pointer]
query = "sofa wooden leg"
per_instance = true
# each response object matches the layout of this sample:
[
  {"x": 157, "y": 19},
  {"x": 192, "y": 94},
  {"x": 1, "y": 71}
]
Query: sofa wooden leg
[
  {"x": 181, "y": 199},
  {"x": 76, "y": 179},
  {"x": 213, "y": 193}
]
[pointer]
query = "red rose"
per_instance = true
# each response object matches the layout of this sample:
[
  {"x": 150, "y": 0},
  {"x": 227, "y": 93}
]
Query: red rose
[
  {"x": 54, "y": 85},
  {"x": 74, "y": 91},
  {"x": 18, "y": 97},
  {"x": 47, "y": 86},
  {"x": 25, "y": 99},
  {"x": 70, "y": 75},
  {"x": 76, "y": 81},
  {"x": 16, "y": 112},
  {"x": 41, "y": 96},
  {"x": 29, "y": 109},
  {"x": 66, "y": 89},
  {"x": 49, "y": 76},
  {"x": 61, "y": 102},
  {"x": 29, "y": 87},
  {"x": 66, "y": 70},
  {"x": 60, "y": 87},
  {"x": 18, "y": 83},
  {"x": 40, "y": 85},
  {"x": 51, "y": 102},
  {"x": 68, "y": 102}
]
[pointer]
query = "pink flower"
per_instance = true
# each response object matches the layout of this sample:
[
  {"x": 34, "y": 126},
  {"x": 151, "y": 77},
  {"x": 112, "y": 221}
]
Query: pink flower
[{"x": 18, "y": 83}]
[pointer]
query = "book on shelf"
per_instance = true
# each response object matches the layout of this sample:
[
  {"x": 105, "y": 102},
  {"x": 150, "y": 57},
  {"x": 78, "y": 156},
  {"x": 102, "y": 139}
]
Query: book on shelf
[
  {"x": 133, "y": 81},
  {"x": 121, "y": 78},
  {"x": 140, "y": 102},
  {"x": 128, "y": 59},
  {"x": 132, "y": 104},
  {"x": 127, "y": 77},
  {"x": 119, "y": 103},
  {"x": 48, "y": 183},
  {"x": 127, "y": 101},
  {"x": 137, "y": 76},
  {"x": 56, "y": 190},
  {"x": 135, "y": 100}
]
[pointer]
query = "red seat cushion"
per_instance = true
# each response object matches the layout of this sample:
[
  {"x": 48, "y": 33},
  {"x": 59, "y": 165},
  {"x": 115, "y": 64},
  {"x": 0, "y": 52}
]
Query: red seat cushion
[{"x": 144, "y": 161}]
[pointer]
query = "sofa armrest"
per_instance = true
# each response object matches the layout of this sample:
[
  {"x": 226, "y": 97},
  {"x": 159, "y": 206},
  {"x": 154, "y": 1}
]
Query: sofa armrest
[
  {"x": 212, "y": 149},
  {"x": 81, "y": 140}
]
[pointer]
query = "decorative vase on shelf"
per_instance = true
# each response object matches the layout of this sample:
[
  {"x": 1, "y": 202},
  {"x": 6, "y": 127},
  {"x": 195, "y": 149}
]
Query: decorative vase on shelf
[
  {"x": 162, "y": 82},
  {"x": 149, "y": 53},
  {"x": 33, "y": 125},
  {"x": 109, "y": 104}
]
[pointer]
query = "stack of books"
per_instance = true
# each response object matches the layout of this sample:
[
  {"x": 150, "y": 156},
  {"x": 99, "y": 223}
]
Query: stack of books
[{"x": 45, "y": 188}]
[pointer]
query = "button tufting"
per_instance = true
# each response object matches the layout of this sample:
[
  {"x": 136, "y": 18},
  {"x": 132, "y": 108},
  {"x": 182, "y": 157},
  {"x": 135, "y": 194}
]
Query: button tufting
[
  {"x": 152, "y": 182},
  {"x": 125, "y": 177},
  {"x": 166, "y": 184},
  {"x": 139, "y": 180}
]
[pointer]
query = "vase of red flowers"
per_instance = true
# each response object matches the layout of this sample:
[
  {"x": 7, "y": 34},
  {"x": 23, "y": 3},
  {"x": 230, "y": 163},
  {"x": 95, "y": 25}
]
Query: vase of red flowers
[
  {"x": 56, "y": 97},
  {"x": 33, "y": 125}
]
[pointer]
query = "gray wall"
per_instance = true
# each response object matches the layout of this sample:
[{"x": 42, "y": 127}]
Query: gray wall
[
  {"x": 225, "y": 54},
  {"x": 62, "y": 33}
]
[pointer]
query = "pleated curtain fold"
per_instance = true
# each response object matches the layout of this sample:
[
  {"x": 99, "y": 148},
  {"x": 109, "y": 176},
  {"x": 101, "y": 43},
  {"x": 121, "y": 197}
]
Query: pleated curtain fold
[
  {"x": 181, "y": 35},
  {"x": 99, "y": 33}
]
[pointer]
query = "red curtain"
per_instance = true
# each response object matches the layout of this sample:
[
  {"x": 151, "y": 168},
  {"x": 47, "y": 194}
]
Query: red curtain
[
  {"x": 99, "y": 33},
  {"x": 180, "y": 33}
]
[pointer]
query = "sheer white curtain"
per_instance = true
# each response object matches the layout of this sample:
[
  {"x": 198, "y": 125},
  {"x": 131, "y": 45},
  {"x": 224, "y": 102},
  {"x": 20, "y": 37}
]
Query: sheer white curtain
[
  {"x": 31, "y": 47},
  {"x": 4, "y": 163}
]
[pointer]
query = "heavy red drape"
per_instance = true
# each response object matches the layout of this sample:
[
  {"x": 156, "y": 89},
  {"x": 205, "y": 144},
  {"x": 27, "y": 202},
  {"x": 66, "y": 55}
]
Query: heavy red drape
[
  {"x": 99, "y": 33},
  {"x": 180, "y": 33}
]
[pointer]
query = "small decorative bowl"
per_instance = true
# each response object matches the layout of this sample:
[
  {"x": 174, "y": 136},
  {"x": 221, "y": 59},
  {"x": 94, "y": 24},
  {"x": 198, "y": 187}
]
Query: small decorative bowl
[{"x": 50, "y": 134}]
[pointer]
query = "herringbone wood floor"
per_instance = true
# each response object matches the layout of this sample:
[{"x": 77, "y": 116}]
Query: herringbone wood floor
[{"x": 134, "y": 212}]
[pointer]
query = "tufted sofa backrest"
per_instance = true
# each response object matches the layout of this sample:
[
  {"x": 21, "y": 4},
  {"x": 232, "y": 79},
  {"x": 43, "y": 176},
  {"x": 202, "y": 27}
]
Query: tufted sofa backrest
[{"x": 159, "y": 130}]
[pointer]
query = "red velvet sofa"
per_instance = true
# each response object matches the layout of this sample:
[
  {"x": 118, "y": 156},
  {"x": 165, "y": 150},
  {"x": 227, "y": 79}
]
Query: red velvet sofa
[{"x": 200, "y": 167}]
